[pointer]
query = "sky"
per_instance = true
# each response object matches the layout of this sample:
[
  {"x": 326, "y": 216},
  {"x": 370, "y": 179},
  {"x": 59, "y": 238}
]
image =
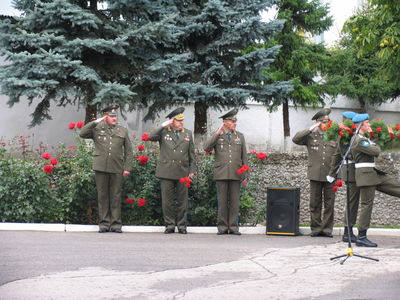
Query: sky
[{"x": 340, "y": 10}]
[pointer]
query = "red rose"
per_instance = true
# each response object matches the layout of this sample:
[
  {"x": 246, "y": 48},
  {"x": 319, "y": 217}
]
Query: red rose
[
  {"x": 129, "y": 201},
  {"x": 143, "y": 159},
  {"x": 71, "y": 125},
  {"x": 140, "y": 147},
  {"x": 261, "y": 155},
  {"x": 398, "y": 135},
  {"x": 397, "y": 126},
  {"x": 187, "y": 185},
  {"x": 239, "y": 171},
  {"x": 48, "y": 169},
  {"x": 335, "y": 188},
  {"x": 341, "y": 133},
  {"x": 54, "y": 161},
  {"x": 339, "y": 183},
  {"x": 71, "y": 147},
  {"x": 378, "y": 119},
  {"x": 182, "y": 180},
  {"x": 46, "y": 155},
  {"x": 392, "y": 135},
  {"x": 141, "y": 202},
  {"x": 188, "y": 180},
  {"x": 353, "y": 126},
  {"x": 329, "y": 125},
  {"x": 145, "y": 137},
  {"x": 79, "y": 125},
  {"x": 208, "y": 152},
  {"x": 378, "y": 129}
]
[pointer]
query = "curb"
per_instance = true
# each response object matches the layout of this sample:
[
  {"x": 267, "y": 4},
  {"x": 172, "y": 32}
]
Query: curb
[{"x": 259, "y": 229}]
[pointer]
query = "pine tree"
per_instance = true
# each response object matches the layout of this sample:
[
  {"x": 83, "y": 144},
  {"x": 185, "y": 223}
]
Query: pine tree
[
  {"x": 71, "y": 52},
  {"x": 300, "y": 60},
  {"x": 225, "y": 69}
]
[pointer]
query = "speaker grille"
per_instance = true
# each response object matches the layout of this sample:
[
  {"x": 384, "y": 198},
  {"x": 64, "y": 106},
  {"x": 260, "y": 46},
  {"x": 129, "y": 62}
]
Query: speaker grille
[{"x": 283, "y": 210}]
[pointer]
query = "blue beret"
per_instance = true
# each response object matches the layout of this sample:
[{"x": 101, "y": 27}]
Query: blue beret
[
  {"x": 349, "y": 114},
  {"x": 360, "y": 117}
]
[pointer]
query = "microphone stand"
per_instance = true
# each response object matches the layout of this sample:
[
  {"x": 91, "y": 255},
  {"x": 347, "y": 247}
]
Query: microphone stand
[{"x": 345, "y": 161}]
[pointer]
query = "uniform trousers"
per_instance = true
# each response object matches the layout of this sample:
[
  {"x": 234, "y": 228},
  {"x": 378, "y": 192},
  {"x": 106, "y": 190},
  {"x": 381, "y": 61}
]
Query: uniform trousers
[
  {"x": 228, "y": 194},
  {"x": 354, "y": 200},
  {"x": 388, "y": 186},
  {"x": 174, "y": 197},
  {"x": 321, "y": 222},
  {"x": 109, "y": 186}
]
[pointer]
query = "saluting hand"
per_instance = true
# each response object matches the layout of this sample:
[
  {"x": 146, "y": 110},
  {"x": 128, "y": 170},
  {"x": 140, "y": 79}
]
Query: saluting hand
[
  {"x": 167, "y": 123},
  {"x": 100, "y": 119},
  {"x": 317, "y": 124},
  {"x": 220, "y": 130}
]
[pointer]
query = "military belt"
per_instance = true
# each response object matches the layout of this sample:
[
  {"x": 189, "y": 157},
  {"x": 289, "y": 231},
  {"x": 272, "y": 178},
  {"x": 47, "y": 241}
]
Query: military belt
[{"x": 365, "y": 165}]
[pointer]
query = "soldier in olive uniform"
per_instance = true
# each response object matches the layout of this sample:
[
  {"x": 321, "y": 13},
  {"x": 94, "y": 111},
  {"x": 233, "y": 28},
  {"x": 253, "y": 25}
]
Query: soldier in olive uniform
[
  {"x": 348, "y": 166},
  {"x": 176, "y": 161},
  {"x": 230, "y": 155},
  {"x": 112, "y": 159},
  {"x": 368, "y": 178},
  {"x": 319, "y": 157}
]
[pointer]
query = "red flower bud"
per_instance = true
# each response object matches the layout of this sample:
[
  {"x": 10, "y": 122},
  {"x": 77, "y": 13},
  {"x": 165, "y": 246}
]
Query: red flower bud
[
  {"x": 187, "y": 185},
  {"x": 329, "y": 125},
  {"x": 353, "y": 126},
  {"x": 143, "y": 159},
  {"x": 54, "y": 161},
  {"x": 188, "y": 180},
  {"x": 378, "y": 119},
  {"x": 48, "y": 169},
  {"x": 141, "y": 202},
  {"x": 46, "y": 155},
  {"x": 208, "y": 152},
  {"x": 140, "y": 147},
  {"x": 397, "y": 126},
  {"x": 129, "y": 201},
  {"x": 339, "y": 183},
  {"x": 240, "y": 171},
  {"x": 341, "y": 133},
  {"x": 145, "y": 137},
  {"x": 378, "y": 129},
  {"x": 261, "y": 155},
  {"x": 79, "y": 125},
  {"x": 335, "y": 188},
  {"x": 71, "y": 125},
  {"x": 182, "y": 180}
]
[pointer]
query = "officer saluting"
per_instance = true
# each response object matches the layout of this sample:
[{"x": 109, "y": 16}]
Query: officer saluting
[
  {"x": 112, "y": 159},
  {"x": 368, "y": 178},
  {"x": 176, "y": 161},
  {"x": 230, "y": 155},
  {"x": 319, "y": 157}
]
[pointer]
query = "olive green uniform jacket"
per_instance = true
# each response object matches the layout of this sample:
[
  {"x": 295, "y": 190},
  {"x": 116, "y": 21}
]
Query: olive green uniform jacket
[
  {"x": 337, "y": 159},
  {"x": 230, "y": 155},
  {"x": 176, "y": 158},
  {"x": 319, "y": 153},
  {"x": 113, "y": 150}
]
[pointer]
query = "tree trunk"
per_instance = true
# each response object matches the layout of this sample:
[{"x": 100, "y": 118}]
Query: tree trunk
[
  {"x": 286, "y": 126},
  {"x": 200, "y": 122}
]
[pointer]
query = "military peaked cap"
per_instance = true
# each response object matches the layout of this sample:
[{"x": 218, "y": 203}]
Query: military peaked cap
[
  {"x": 230, "y": 115},
  {"x": 322, "y": 115},
  {"x": 176, "y": 114},
  {"x": 110, "y": 110},
  {"x": 360, "y": 118}
]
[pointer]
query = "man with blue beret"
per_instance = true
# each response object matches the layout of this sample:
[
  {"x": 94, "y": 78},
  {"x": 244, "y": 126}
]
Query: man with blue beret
[
  {"x": 112, "y": 159},
  {"x": 176, "y": 161},
  {"x": 368, "y": 178},
  {"x": 348, "y": 167},
  {"x": 319, "y": 157},
  {"x": 230, "y": 155}
]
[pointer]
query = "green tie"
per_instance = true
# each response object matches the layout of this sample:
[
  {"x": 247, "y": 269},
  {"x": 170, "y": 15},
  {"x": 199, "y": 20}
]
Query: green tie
[
  {"x": 177, "y": 133},
  {"x": 229, "y": 134}
]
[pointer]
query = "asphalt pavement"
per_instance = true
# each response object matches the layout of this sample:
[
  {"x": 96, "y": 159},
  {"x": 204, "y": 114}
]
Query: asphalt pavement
[{"x": 89, "y": 265}]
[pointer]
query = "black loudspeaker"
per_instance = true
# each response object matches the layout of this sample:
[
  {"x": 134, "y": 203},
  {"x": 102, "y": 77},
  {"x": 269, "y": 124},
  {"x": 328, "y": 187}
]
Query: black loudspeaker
[{"x": 283, "y": 205}]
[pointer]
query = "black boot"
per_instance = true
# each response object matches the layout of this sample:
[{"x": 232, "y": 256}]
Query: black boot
[
  {"x": 362, "y": 240},
  {"x": 345, "y": 237}
]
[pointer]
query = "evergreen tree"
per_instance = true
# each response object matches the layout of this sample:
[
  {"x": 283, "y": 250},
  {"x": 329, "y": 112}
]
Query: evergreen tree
[
  {"x": 300, "y": 59},
  {"x": 70, "y": 52}
]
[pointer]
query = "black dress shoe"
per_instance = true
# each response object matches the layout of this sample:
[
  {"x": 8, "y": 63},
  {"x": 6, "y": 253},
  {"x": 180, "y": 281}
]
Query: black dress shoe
[
  {"x": 325, "y": 234},
  {"x": 220, "y": 232},
  {"x": 314, "y": 234},
  {"x": 117, "y": 230},
  {"x": 102, "y": 230},
  {"x": 235, "y": 232},
  {"x": 169, "y": 230},
  {"x": 182, "y": 231}
]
